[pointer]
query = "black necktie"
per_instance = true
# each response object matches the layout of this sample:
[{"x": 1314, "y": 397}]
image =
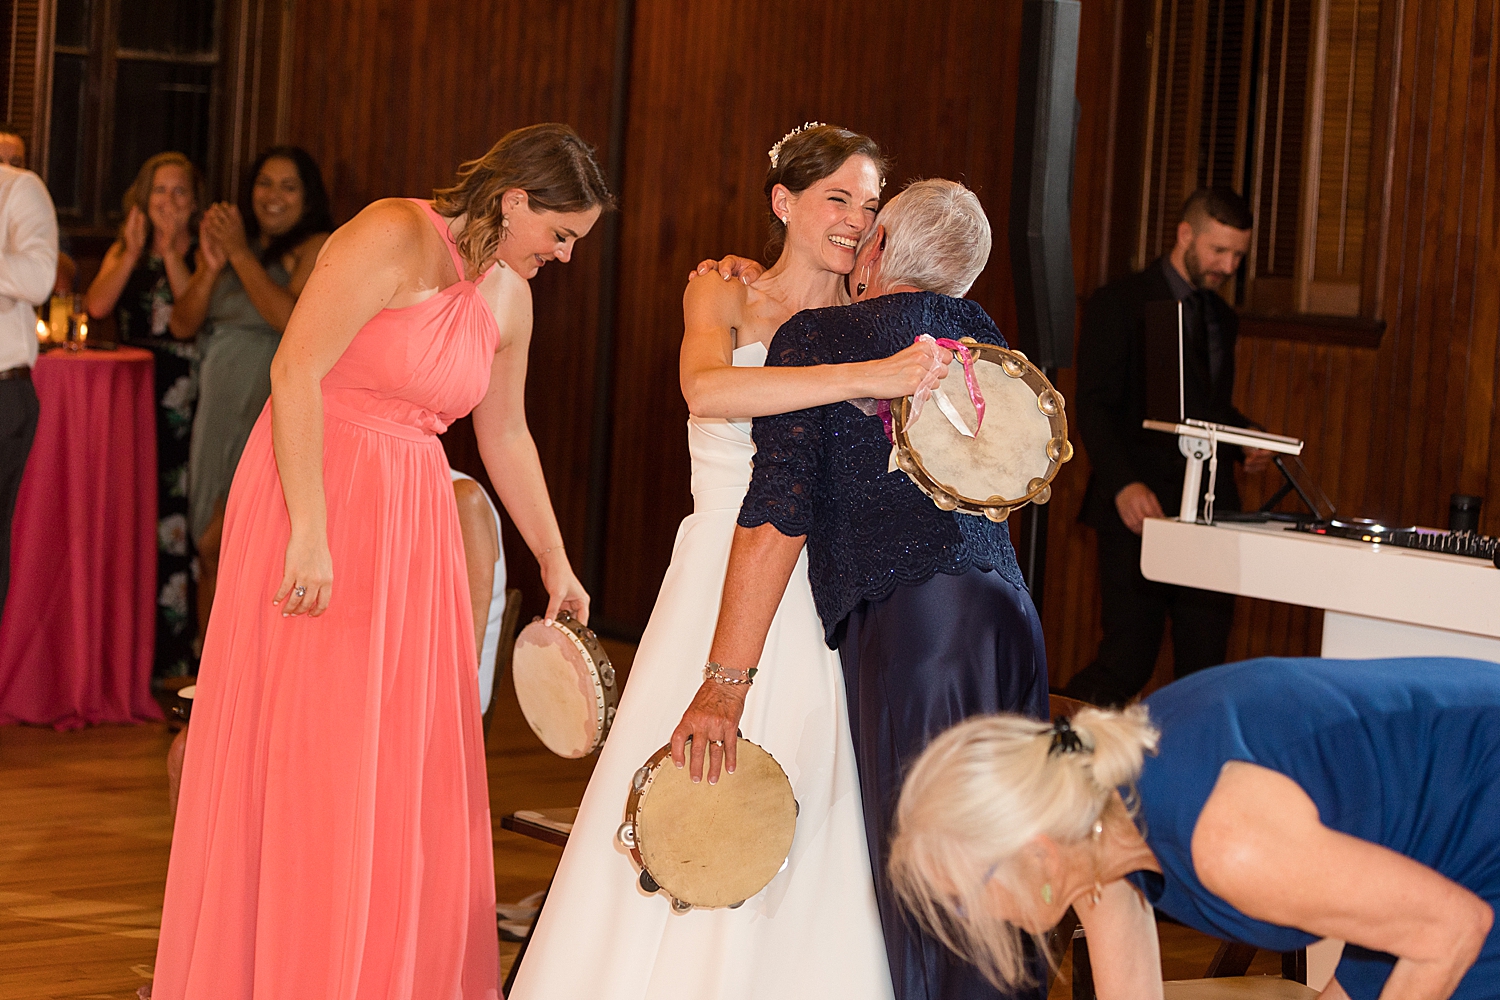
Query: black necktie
[{"x": 1206, "y": 324}]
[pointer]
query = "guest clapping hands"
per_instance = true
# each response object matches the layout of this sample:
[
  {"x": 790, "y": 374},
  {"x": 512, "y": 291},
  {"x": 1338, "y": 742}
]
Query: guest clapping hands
[
  {"x": 253, "y": 260},
  {"x": 146, "y": 269}
]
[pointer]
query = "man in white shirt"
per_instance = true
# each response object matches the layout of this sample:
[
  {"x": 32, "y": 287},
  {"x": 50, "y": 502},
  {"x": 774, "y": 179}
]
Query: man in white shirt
[{"x": 28, "y": 268}]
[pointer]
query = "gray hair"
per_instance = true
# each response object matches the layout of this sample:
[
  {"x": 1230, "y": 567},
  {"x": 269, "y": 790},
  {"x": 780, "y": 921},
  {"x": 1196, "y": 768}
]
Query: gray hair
[
  {"x": 978, "y": 796},
  {"x": 937, "y": 237}
]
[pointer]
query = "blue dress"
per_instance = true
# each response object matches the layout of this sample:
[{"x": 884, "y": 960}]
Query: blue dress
[
  {"x": 928, "y": 608},
  {"x": 1404, "y": 753}
]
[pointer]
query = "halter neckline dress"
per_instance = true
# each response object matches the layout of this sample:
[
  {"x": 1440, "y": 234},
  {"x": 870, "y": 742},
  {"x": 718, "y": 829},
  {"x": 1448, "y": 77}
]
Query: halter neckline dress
[{"x": 333, "y": 837}]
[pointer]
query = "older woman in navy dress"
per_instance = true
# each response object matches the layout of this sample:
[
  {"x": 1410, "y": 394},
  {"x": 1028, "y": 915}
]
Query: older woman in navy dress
[
  {"x": 927, "y": 608},
  {"x": 1289, "y": 800}
]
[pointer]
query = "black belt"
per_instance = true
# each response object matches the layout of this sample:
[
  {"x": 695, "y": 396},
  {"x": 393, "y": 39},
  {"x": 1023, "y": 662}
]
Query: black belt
[{"x": 19, "y": 371}]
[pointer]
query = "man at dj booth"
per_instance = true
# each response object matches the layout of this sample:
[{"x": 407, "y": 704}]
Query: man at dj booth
[{"x": 1138, "y": 473}]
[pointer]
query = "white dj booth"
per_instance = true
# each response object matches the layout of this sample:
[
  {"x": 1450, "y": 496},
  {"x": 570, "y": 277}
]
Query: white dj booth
[{"x": 1378, "y": 600}]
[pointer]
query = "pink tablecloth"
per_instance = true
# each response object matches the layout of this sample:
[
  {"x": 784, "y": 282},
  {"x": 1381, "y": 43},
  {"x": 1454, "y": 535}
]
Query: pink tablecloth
[{"x": 76, "y": 638}]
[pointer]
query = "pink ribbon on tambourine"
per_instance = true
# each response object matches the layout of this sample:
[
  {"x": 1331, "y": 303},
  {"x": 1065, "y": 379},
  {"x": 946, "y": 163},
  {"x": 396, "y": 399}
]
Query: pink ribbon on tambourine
[{"x": 966, "y": 358}]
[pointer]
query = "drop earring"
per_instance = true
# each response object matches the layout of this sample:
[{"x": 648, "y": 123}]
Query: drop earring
[
  {"x": 1047, "y": 893},
  {"x": 859, "y": 289}
]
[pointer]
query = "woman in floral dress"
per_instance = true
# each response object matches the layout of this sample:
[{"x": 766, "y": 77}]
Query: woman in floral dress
[{"x": 142, "y": 274}]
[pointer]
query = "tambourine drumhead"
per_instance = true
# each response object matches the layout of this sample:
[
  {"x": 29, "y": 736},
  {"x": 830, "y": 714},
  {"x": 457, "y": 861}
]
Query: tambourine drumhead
[
  {"x": 565, "y": 684},
  {"x": 715, "y": 845},
  {"x": 1019, "y": 449}
]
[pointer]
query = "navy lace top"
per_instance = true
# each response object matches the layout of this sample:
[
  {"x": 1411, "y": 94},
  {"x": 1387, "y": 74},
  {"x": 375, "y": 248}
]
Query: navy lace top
[{"x": 821, "y": 472}]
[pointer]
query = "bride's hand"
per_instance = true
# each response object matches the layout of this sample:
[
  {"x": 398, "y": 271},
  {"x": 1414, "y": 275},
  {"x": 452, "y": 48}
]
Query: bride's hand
[
  {"x": 906, "y": 373},
  {"x": 563, "y": 589},
  {"x": 744, "y": 268},
  {"x": 307, "y": 580},
  {"x": 711, "y": 723}
]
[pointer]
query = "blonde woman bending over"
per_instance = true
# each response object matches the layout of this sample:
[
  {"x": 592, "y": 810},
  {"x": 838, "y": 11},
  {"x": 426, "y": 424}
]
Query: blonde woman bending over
[{"x": 1287, "y": 801}]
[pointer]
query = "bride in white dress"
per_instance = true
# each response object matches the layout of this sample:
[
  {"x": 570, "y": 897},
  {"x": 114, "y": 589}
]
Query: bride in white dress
[{"x": 814, "y": 931}]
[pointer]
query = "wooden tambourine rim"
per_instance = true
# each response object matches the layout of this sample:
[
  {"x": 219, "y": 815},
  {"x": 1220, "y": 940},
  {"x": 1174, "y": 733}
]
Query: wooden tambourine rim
[
  {"x": 638, "y": 791},
  {"x": 601, "y": 672},
  {"x": 996, "y": 508}
]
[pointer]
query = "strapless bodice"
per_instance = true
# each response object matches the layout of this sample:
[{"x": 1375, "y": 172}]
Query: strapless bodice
[{"x": 721, "y": 449}]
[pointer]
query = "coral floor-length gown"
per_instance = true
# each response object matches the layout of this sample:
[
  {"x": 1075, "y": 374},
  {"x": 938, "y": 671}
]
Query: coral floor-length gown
[{"x": 333, "y": 839}]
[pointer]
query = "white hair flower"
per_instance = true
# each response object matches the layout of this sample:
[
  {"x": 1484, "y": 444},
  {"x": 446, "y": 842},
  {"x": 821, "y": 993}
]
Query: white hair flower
[{"x": 775, "y": 151}]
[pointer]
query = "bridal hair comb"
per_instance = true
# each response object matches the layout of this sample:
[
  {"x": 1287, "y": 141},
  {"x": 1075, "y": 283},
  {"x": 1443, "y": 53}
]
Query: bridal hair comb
[{"x": 775, "y": 151}]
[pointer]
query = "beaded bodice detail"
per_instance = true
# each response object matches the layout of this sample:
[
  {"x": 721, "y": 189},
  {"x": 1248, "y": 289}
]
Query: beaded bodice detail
[{"x": 822, "y": 472}]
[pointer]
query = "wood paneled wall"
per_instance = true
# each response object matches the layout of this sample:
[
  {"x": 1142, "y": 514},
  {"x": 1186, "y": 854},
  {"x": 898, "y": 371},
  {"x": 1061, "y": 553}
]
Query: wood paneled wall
[
  {"x": 390, "y": 96},
  {"x": 712, "y": 87},
  {"x": 1392, "y": 431}
]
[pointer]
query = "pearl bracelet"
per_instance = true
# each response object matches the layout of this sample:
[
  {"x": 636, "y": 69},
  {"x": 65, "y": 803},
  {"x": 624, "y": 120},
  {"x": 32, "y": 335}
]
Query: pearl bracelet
[{"x": 717, "y": 673}]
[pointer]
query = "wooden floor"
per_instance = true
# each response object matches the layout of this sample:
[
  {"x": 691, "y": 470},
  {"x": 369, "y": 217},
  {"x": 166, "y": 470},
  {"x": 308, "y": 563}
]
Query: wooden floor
[{"x": 84, "y": 838}]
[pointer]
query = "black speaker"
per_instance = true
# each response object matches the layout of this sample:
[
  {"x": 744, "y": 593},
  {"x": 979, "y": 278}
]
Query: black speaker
[{"x": 1041, "y": 191}]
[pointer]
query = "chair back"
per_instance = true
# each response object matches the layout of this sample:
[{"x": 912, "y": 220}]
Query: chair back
[
  {"x": 504, "y": 649},
  {"x": 1059, "y": 705}
]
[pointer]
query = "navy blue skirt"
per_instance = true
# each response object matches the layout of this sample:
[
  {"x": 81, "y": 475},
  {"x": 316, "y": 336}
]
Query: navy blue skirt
[{"x": 915, "y": 664}]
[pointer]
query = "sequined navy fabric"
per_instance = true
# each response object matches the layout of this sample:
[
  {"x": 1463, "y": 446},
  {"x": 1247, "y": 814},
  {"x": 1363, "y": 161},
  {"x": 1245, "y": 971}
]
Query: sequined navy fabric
[{"x": 821, "y": 472}]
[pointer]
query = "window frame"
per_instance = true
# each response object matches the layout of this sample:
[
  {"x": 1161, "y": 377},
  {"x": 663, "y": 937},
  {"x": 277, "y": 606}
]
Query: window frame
[{"x": 252, "y": 59}]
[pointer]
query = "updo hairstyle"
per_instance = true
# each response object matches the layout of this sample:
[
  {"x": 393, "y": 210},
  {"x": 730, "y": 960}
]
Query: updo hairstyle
[
  {"x": 550, "y": 162},
  {"x": 806, "y": 157},
  {"x": 981, "y": 793},
  {"x": 937, "y": 237}
]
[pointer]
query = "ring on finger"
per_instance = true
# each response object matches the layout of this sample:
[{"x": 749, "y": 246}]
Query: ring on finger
[
  {"x": 717, "y": 743},
  {"x": 300, "y": 590}
]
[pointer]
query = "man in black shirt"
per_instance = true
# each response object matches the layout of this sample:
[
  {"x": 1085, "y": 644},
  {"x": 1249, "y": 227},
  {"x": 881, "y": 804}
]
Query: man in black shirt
[{"x": 1138, "y": 473}]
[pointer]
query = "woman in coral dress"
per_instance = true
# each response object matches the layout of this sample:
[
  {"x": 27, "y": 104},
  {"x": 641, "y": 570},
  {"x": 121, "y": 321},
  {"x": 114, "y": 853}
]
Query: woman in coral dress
[{"x": 333, "y": 836}]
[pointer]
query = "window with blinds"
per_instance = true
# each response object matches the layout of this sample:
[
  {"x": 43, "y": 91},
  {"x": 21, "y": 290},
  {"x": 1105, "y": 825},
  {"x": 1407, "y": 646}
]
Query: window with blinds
[{"x": 1276, "y": 99}]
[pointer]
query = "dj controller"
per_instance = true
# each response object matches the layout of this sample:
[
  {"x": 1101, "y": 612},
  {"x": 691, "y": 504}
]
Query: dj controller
[{"x": 1457, "y": 543}]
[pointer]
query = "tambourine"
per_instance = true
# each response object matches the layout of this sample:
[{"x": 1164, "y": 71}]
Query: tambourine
[
  {"x": 1004, "y": 461},
  {"x": 565, "y": 684},
  {"x": 709, "y": 845},
  {"x": 184, "y": 707},
  {"x": 177, "y": 751}
]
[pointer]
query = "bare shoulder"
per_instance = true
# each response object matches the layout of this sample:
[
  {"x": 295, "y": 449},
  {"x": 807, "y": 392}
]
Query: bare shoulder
[
  {"x": 1252, "y": 816},
  {"x": 501, "y": 286},
  {"x": 509, "y": 297},
  {"x": 387, "y": 223},
  {"x": 391, "y": 236},
  {"x": 710, "y": 299}
]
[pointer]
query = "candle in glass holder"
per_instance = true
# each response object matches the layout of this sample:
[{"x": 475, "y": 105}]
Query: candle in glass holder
[
  {"x": 59, "y": 316},
  {"x": 42, "y": 333},
  {"x": 78, "y": 326}
]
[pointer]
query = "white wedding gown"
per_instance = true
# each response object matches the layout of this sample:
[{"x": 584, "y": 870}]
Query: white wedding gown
[{"x": 814, "y": 931}]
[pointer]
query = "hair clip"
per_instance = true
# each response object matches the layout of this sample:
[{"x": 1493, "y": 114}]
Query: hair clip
[
  {"x": 775, "y": 151},
  {"x": 1065, "y": 738}
]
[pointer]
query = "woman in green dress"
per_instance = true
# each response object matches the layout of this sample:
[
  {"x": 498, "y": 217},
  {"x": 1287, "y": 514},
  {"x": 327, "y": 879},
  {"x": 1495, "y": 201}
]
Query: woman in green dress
[{"x": 253, "y": 260}]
